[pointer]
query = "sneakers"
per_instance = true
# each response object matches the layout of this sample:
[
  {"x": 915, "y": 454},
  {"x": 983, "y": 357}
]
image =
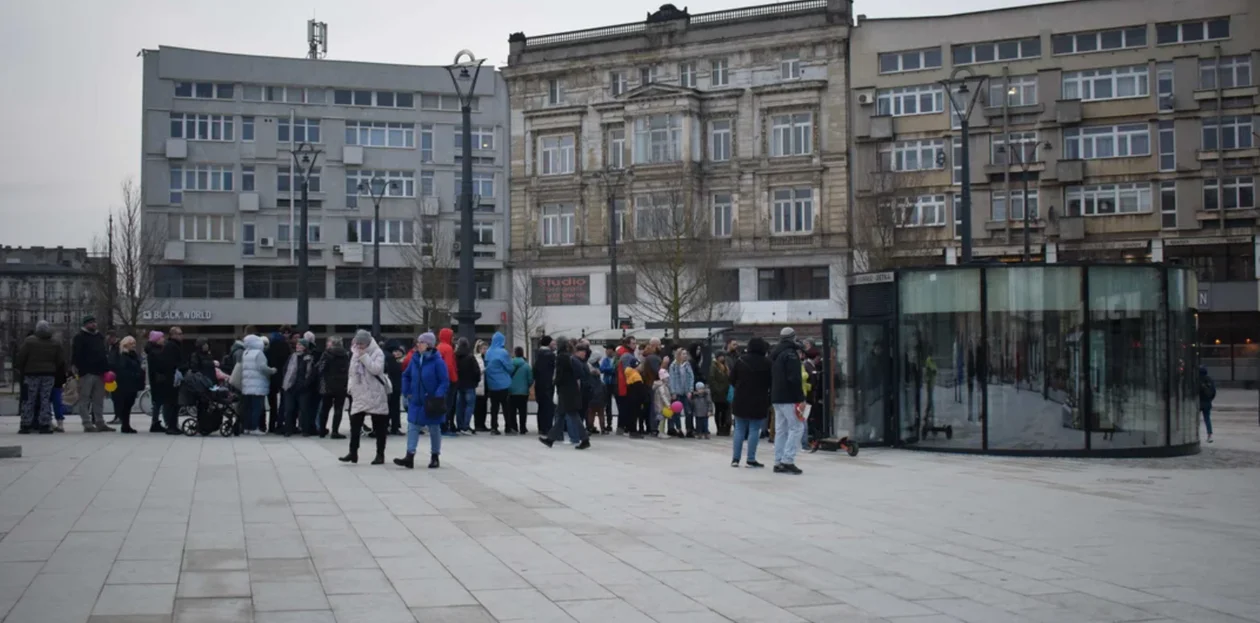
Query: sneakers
[
  {"x": 157, "y": 428},
  {"x": 90, "y": 428},
  {"x": 586, "y": 443},
  {"x": 45, "y": 430},
  {"x": 58, "y": 428},
  {"x": 787, "y": 468},
  {"x": 1209, "y": 439},
  {"x": 104, "y": 428},
  {"x": 753, "y": 464},
  {"x": 545, "y": 441},
  {"x": 495, "y": 432},
  {"x": 25, "y": 430},
  {"x": 735, "y": 463},
  {"x": 336, "y": 436}
]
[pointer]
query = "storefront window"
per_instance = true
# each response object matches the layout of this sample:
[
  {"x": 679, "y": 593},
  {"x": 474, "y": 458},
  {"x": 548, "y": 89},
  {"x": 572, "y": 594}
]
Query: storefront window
[
  {"x": 1183, "y": 288},
  {"x": 1128, "y": 357}
]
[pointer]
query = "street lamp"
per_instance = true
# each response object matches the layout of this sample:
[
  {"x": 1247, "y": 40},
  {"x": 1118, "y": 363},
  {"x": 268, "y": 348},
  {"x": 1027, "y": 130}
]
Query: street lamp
[
  {"x": 304, "y": 159},
  {"x": 613, "y": 178},
  {"x": 464, "y": 72},
  {"x": 964, "y": 114},
  {"x": 1018, "y": 155},
  {"x": 376, "y": 189}
]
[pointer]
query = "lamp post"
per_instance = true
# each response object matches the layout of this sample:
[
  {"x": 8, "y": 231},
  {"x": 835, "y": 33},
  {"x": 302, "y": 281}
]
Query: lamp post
[
  {"x": 464, "y": 72},
  {"x": 613, "y": 178},
  {"x": 376, "y": 189},
  {"x": 1018, "y": 155},
  {"x": 304, "y": 159},
  {"x": 964, "y": 114}
]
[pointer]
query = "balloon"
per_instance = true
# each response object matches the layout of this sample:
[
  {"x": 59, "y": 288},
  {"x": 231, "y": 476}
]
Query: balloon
[
  {"x": 677, "y": 406},
  {"x": 109, "y": 377},
  {"x": 667, "y": 412},
  {"x": 111, "y": 386}
]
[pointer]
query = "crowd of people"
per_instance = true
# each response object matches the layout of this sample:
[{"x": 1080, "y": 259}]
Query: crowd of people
[{"x": 287, "y": 383}]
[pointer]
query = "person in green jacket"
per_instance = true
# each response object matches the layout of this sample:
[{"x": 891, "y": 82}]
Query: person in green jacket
[{"x": 518, "y": 398}]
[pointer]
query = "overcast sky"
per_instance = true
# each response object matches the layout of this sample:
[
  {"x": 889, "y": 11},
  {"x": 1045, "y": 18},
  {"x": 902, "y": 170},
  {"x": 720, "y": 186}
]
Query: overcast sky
[{"x": 70, "y": 132}]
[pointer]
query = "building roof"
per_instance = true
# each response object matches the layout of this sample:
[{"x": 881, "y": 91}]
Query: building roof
[{"x": 862, "y": 19}]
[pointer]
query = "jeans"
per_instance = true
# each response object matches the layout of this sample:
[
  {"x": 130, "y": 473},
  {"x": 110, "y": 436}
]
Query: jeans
[
  {"x": 253, "y": 407},
  {"x": 463, "y": 413},
  {"x": 294, "y": 407},
  {"x": 702, "y": 425},
  {"x": 571, "y": 421},
  {"x": 435, "y": 437},
  {"x": 746, "y": 429},
  {"x": 59, "y": 409},
  {"x": 91, "y": 399},
  {"x": 1207, "y": 418},
  {"x": 787, "y": 436}
]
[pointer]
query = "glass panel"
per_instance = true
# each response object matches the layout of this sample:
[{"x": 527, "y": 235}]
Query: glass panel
[
  {"x": 1183, "y": 287},
  {"x": 1128, "y": 358},
  {"x": 1034, "y": 358},
  {"x": 942, "y": 358},
  {"x": 872, "y": 391}
]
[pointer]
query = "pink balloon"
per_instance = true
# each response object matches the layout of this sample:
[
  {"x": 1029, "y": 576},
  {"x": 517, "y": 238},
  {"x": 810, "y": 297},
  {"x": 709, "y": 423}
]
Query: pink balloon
[
  {"x": 677, "y": 406},
  {"x": 109, "y": 377}
]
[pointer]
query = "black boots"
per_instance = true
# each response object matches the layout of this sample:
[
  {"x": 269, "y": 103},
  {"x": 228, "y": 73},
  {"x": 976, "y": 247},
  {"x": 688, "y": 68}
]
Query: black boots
[
  {"x": 353, "y": 457},
  {"x": 546, "y": 441},
  {"x": 380, "y": 457},
  {"x": 408, "y": 461},
  {"x": 433, "y": 461}
]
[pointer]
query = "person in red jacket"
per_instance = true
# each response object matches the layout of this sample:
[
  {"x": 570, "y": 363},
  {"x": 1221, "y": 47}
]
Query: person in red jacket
[{"x": 446, "y": 349}]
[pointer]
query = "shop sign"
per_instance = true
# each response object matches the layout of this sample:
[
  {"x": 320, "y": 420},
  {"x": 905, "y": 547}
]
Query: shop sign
[
  {"x": 562, "y": 290},
  {"x": 869, "y": 278},
  {"x": 176, "y": 314}
]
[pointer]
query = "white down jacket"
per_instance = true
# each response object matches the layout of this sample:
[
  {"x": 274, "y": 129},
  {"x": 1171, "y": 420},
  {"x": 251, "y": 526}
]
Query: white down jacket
[{"x": 368, "y": 386}]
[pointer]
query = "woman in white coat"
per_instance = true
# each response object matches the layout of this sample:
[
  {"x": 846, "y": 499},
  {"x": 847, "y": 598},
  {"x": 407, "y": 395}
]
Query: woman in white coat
[
  {"x": 369, "y": 388},
  {"x": 255, "y": 382}
]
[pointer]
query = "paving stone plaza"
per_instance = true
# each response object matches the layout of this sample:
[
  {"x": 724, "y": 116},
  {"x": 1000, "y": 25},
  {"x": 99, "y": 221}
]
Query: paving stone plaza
[{"x": 109, "y": 528}]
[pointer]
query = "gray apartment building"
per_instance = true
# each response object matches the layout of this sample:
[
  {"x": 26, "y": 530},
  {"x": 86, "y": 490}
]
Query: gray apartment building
[
  {"x": 221, "y": 191},
  {"x": 57, "y": 284}
]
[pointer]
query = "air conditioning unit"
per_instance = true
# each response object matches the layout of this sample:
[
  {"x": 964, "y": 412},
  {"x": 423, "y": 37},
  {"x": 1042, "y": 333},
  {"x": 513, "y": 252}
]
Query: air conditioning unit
[
  {"x": 429, "y": 206},
  {"x": 866, "y": 99},
  {"x": 266, "y": 242}
]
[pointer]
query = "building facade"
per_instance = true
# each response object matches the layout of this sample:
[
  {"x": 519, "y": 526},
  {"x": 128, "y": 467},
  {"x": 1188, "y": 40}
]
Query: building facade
[
  {"x": 715, "y": 142},
  {"x": 58, "y": 284},
  {"x": 1126, "y": 127},
  {"x": 221, "y": 189}
]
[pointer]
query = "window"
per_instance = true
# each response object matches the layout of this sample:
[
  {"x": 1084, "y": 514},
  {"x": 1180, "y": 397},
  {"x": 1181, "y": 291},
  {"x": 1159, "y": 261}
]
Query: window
[
  {"x": 202, "y": 127},
  {"x": 918, "y": 155},
  {"x": 247, "y": 129},
  {"x": 1023, "y": 144},
  {"x": 657, "y": 216},
  {"x": 1016, "y": 91},
  {"x": 618, "y": 83},
  {"x": 482, "y": 183},
  {"x": 910, "y": 60},
  {"x": 1107, "y": 141},
  {"x": 249, "y": 232},
  {"x": 991, "y": 51},
  {"x": 427, "y": 188},
  {"x": 1167, "y": 146},
  {"x": 555, "y": 155},
  {"x": 1164, "y": 86},
  {"x": 557, "y": 225},
  {"x": 647, "y": 74},
  {"x": 1168, "y": 204},
  {"x": 201, "y": 178},
  {"x": 957, "y": 160},
  {"x": 303, "y": 130},
  {"x": 1231, "y": 72},
  {"x": 313, "y": 231},
  {"x": 267, "y": 282},
  {"x": 792, "y": 135},
  {"x": 397, "y": 184},
  {"x": 719, "y": 72},
  {"x": 1099, "y": 40},
  {"x": 1237, "y": 193},
  {"x": 627, "y": 288},
  {"x": 202, "y": 227},
  {"x": 720, "y": 140},
  {"x": 483, "y": 232},
  {"x": 918, "y": 100},
  {"x": 1106, "y": 84},
  {"x": 290, "y": 95},
  {"x": 555, "y": 92},
  {"x": 657, "y": 138},
  {"x": 621, "y": 215},
  {"x": 793, "y": 211},
  {"x": 687, "y": 74},
  {"x": 205, "y": 90},
  {"x": 616, "y": 147},
  {"x": 1228, "y": 133},
  {"x": 377, "y": 99},
  {"x": 380, "y": 134},
  {"x": 285, "y": 174},
  {"x": 247, "y": 177},
  {"x": 790, "y": 66},
  {"x": 483, "y": 280},
  {"x": 1016, "y": 210},
  {"x": 451, "y": 102},
  {"x": 357, "y": 283},
  {"x": 393, "y": 231},
  {"x": 723, "y": 213},
  {"x": 1190, "y": 32},
  {"x": 194, "y": 282},
  {"x": 921, "y": 211},
  {"x": 1106, "y": 199},
  {"x": 426, "y": 142},
  {"x": 799, "y": 283},
  {"x": 482, "y": 137}
]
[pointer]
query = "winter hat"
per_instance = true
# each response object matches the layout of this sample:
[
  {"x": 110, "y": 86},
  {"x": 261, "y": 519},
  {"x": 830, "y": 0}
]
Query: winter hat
[
  {"x": 304, "y": 343},
  {"x": 88, "y": 318},
  {"x": 155, "y": 336},
  {"x": 787, "y": 332},
  {"x": 699, "y": 384},
  {"x": 427, "y": 338}
]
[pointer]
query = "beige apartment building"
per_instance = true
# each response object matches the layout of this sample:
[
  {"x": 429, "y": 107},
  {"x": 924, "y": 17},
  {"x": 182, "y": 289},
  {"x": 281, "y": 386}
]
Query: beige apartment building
[
  {"x": 1130, "y": 123},
  {"x": 727, "y": 130}
]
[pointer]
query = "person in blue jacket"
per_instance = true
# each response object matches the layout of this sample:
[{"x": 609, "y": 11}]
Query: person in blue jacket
[
  {"x": 498, "y": 377},
  {"x": 425, "y": 380}
]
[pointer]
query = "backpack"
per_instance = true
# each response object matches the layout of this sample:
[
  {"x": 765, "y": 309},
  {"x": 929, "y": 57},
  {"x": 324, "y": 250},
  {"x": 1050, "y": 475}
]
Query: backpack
[{"x": 1207, "y": 389}]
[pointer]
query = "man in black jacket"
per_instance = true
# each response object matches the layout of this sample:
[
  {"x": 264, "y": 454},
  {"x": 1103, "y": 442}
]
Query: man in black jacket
[
  {"x": 571, "y": 386},
  {"x": 544, "y": 383},
  {"x": 786, "y": 391},
  {"x": 40, "y": 361},
  {"x": 278, "y": 351},
  {"x": 90, "y": 360}
]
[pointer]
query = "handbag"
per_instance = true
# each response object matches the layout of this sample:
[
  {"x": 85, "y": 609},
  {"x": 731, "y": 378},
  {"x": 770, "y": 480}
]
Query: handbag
[
  {"x": 432, "y": 404},
  {"x": 237, "y": 376}
]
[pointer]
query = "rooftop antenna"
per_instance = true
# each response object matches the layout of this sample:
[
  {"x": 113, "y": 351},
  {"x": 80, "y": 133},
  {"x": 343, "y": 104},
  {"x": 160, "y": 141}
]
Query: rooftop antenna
[{"x": 316, "y": 39}]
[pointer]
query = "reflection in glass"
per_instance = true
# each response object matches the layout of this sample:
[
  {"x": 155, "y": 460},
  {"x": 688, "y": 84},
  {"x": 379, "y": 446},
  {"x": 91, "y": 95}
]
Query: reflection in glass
[
  {"x": 1128, "y": 357},
  {"x": 874, "y": 376},
  {"x": 942, "y": 361},
  {"x": 1034, "y": 319},
  {"x": 1183, "y": 287},
  {"x": 842, "y": 416}
]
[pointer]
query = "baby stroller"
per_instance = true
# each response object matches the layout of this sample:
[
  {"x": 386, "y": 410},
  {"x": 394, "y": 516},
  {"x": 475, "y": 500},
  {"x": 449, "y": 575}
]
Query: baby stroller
[{"x": 214, "y": 407}]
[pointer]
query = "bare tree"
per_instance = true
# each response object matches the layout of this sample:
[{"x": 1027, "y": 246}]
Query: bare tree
[
  {"x": 526, "y": 312},
  {"x": 430, "y": 260},
  {"x": 881, "y": 218},
  {"x": 125, "y": 271},
  {"x": 675, "y": 260}
]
